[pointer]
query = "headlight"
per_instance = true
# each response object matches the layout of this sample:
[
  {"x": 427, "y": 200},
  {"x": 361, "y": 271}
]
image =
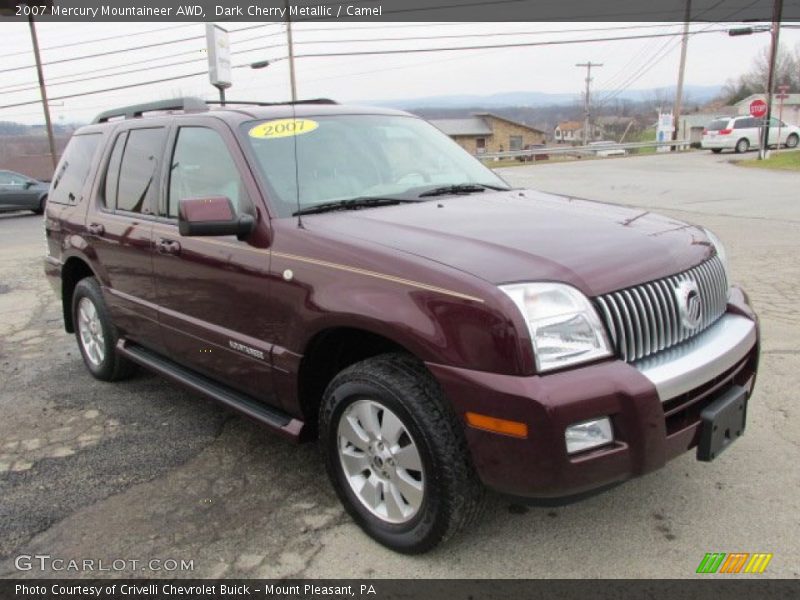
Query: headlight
[
  {"x": 563, "y": 324},
  {"x": 723, "y": 255}
]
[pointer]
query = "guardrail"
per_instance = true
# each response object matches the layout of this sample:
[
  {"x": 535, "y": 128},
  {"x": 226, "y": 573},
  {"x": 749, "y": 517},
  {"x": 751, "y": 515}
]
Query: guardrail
[{"x": 580, "y": 151}]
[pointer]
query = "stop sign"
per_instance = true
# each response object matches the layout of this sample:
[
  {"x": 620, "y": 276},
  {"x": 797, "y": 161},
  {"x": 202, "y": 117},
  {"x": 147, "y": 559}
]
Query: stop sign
[{"x": 758, "y": 108}]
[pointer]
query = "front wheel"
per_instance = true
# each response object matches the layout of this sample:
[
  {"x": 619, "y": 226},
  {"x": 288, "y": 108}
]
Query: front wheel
[
  {"x": 39, "y": 210},
  {"x": 792, "y": 140},
  {"x": 96, "y": 334},
  {"x": 396, "y": 454}
]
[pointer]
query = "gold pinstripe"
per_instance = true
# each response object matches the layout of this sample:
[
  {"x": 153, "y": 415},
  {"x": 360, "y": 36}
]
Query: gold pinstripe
[
  {"x": 338, "y": 266},
  {"x": 384, "y": 276}
]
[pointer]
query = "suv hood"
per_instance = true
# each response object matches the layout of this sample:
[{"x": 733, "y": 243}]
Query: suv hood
[{"x": 524, "y": 235}]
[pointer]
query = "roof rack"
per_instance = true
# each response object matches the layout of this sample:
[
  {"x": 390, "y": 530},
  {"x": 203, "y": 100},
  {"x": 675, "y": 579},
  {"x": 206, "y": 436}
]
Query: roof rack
[
  {"x": 256, "y": 103},
  {"x": 189, "y": 104}
]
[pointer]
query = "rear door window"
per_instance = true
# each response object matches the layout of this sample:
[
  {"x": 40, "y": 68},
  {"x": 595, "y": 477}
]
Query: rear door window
[
  {"x": 138, "y": 170},
  {"x": 72, "y": 171},
  {"x": 111, "y": 185}
]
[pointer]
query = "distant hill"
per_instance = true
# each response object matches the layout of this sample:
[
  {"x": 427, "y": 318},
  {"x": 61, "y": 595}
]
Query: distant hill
[{"x": 697, "y": 93}]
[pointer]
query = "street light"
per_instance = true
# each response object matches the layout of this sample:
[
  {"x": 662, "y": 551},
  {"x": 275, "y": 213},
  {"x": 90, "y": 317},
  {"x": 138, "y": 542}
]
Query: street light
[
  {"x": 261, "y": 64},
  {"x": 748, "y": 30},
  {"x": 775, "y": 29}
]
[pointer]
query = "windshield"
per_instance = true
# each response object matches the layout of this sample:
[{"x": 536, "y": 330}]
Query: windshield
[{"x": 344, "y": 157}]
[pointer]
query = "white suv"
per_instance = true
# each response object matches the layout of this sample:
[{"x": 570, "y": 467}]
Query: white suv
[{"x": 742, "y": 133}]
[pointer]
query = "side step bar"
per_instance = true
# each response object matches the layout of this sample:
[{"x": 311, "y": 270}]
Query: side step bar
[{"x": 275, "y": 419}]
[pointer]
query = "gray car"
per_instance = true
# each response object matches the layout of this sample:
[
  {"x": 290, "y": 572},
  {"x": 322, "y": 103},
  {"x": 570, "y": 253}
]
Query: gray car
[{"x": 18, "y": 192}]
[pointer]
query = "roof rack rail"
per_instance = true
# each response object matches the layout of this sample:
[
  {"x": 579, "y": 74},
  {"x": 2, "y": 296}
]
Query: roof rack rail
[
  {"x": 187, "y": 104},
  {"x": 256, "y": 103}
]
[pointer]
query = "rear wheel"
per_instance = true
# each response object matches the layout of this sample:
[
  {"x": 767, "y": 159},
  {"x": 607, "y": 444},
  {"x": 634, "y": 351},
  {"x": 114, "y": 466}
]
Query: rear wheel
[
  {"x": 792, "y": 140},
  {"x": 742, "y": 146},
  {"x": 716, "y": 150},
  {"x": 396, "y": 454},
  {"x": 96, "y": 334}
]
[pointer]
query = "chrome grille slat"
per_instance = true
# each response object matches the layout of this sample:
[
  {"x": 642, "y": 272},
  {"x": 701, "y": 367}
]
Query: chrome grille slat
[
  {"x": 627, "y": 322},
  {"x": 609, "y": 321},
  {"x": 646, "y": 318},
  {"x": 622, "y": 347},
  {"x": 636, "y": 334}
]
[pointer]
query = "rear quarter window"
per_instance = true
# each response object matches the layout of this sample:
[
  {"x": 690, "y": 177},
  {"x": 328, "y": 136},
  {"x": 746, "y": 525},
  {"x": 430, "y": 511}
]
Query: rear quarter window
[
  {"x": 718, "y": 124},
  {"x": 72, "y": 171}
]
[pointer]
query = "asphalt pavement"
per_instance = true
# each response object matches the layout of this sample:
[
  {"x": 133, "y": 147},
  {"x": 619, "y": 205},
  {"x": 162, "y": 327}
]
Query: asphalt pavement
[{"x": 146, "y": 471}]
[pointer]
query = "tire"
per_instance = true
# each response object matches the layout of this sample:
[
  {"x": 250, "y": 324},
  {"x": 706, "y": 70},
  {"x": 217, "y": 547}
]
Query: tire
[
  {"x": 792, "y": 140},
  {"x": 96, "y": 333},
  {"x": 716, "y": 150},
  {"x": 42, "y": 204},
  {"x": 447, "y": 494},
  {"x": 742, "y": 146}
]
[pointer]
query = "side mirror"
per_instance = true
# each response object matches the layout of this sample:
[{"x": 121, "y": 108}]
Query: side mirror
[
  {"x": 29, "y": 184},
  {"x": 212, "y": 215}
]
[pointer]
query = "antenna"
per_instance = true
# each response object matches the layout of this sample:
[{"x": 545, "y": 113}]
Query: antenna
[{"x": 296, "y": 171}]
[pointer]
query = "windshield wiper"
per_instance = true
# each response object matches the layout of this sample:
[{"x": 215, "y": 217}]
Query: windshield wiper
[
  {"x": 460, "y": 188},
  {"x": 351, "y": 204}
]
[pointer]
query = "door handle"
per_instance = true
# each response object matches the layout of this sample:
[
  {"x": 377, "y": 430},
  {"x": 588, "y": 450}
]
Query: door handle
[
  {"x": 164, "y": 246},
  {"x": 96, "y": 229}
]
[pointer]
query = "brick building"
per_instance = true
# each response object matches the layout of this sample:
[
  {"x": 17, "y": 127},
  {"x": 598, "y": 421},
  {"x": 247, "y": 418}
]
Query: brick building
[{"x": 484, "y": 133}]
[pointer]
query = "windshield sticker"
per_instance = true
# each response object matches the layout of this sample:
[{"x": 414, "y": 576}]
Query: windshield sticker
[{"x": 283, "y": 128}]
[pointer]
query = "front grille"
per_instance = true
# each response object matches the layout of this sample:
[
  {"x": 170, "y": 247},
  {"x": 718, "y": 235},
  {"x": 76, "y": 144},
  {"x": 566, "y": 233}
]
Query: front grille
[{"x": 646, "y": 319}]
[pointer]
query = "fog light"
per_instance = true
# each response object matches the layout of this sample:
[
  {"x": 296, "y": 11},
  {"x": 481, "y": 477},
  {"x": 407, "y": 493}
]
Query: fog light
[{"x": 588, "y": 434}]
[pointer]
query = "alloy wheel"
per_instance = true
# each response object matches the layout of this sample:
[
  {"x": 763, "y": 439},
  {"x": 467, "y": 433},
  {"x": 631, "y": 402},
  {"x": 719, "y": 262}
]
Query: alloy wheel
[
  {"x": 381, "y": 461},
  {"x": 91, "y": 332}
]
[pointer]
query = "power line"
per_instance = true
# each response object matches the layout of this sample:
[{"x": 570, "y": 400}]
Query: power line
[
  {"x": 625, "y": 71},
  {"x": 374, "y": 52},
  {"x": 140, "y": 69},
  {"x": 102, "y": 39},
  {"x": 664, "y": 51},
  {"x": 478, "y": 35},
  {"x": 489, "y": 47},
  {"x": 481, "y": 34},
  {"x": 132, "y": 63},
  {"x": 123, "y": 50}
]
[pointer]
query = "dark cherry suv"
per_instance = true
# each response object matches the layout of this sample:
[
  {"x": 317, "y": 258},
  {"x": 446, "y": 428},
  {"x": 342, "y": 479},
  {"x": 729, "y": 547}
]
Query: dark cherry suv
[{"x": 351, "y": 275}]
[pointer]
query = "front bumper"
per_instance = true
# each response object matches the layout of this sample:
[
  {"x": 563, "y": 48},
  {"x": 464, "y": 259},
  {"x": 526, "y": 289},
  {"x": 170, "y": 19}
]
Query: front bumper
[{"x": 654, "y": 407}]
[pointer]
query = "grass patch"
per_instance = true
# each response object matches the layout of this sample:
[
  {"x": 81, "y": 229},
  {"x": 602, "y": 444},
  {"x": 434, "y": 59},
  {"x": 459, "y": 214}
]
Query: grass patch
[{"x": 779, "y": 161}]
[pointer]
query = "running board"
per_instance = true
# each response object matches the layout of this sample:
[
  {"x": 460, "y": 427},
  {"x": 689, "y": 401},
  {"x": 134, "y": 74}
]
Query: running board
[{"x": 273, "y": 418}]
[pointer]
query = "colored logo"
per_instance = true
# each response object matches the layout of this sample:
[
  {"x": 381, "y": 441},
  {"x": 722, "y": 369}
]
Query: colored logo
[{"x": 735, "y": 562}]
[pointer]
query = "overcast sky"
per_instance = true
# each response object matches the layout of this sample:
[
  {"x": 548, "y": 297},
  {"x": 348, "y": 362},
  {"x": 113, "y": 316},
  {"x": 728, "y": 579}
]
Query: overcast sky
[{"x": 713, "y": 57}]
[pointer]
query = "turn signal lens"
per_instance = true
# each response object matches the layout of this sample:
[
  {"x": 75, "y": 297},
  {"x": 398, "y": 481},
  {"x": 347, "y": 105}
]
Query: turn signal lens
[{"x": 495, "y": 425}]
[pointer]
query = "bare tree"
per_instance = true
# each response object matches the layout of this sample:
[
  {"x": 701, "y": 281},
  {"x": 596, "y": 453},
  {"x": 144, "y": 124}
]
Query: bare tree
[{"x": 787, "y": 72}]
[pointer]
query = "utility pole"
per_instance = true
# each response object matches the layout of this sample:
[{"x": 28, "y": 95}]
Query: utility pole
[
  {"x": 676, "y": 108},
  {"x": 586, "y": 105},
  {"x": 777, "y": 10},
  {"x": 43, "y": 92},
  {"x": 292, "y": 80}
]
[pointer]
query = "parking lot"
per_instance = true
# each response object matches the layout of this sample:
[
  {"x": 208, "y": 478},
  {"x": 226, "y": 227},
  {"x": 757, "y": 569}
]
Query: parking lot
[{"x": 144, "y": 470}]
